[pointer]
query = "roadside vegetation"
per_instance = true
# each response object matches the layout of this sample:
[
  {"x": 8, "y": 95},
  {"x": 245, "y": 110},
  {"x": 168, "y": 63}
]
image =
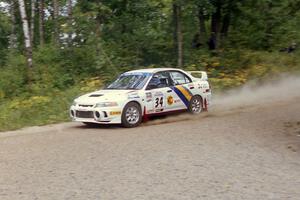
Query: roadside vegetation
[{"x": 79, "y": 46}]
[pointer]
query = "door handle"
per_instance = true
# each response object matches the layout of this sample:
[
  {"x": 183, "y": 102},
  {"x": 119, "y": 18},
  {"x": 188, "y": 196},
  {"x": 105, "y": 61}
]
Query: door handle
[
  {"x": 169, "y": 91},
  {"x": 192, "y": 87}
]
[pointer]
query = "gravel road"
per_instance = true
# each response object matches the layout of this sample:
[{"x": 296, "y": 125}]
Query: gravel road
[{"x": 246, "y": 152}]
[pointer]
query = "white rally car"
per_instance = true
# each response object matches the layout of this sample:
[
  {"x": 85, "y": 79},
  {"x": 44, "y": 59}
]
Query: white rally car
[{"x": 138, "y": 94}]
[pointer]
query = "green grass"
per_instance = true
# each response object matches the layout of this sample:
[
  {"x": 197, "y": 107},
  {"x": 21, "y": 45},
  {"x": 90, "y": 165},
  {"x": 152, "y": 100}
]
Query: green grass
[{"x": 37, "y": 110}]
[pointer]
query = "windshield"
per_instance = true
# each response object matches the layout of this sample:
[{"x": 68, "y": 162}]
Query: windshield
[{"x": 130, "y": 81}]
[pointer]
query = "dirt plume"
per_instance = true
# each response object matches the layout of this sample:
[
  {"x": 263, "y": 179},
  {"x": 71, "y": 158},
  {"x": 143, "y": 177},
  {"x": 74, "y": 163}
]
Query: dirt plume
[
  {"x": 284, "y": 89},
  {"x": 252, "y": 95}
]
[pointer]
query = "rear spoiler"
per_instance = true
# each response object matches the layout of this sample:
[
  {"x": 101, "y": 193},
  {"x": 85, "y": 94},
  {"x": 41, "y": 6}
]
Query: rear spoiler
[{"x": 199, "y": 74}]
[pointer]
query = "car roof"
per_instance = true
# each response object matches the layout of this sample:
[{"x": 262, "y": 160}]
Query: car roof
[{"x": 153, "y": 70}]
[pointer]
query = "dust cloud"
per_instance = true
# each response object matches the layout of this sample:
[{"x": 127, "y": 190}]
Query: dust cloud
[{"x": 285, "y": 89}]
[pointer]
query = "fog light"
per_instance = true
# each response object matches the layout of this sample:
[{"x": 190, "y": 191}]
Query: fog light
[
  {"x": 104, "y": 113},
  {"x": 97, "y": 115},
  {"x": 72, "y": 113}
]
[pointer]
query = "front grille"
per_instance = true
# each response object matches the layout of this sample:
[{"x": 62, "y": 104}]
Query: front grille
[
  {"x": 82, "y": 105},
  {"x": 84, "y": 114}
]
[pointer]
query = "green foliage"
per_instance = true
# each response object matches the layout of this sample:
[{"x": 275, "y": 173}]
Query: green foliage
[
  {"x": 12, "y": 77},
  {"x": 4, "y": 36},
  {"x": 234, "y": 68},
  {"x": 36, "y": 110},
  {"x": 265, "y": 25}
]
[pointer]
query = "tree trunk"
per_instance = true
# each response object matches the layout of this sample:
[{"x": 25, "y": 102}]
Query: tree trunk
[
  {"x": 202, "y": 28},
  {"x": 27, "y": 39},
  {"x": 215, "y": 25},
  {"x": 13, "y": 36},
  {"x": 70, "y": 18},
  {"x": 32, "y": 21},
  {"x": 98, "y": 36},
  {"x": 268, "y": 26},
  {"x": 124, "y": 5},
  {"x": 55, "y": 21},
  {"x": 225, "y": 25},
  {"x": 178, "y": 34},
  {"x": 41, "y": 21},
  {"x": 228, "y": 10}
]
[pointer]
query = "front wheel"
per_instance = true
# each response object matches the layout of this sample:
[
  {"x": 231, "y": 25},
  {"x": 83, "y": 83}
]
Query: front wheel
[
  {"x": 131, "y": 115},
  {"x": 196, "y": 106}
]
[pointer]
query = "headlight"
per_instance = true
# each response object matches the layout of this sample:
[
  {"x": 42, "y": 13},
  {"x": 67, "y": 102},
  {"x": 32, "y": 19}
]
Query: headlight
[
  {"x": 74, "y": 103},
  {"x": 106, "y": 104}
]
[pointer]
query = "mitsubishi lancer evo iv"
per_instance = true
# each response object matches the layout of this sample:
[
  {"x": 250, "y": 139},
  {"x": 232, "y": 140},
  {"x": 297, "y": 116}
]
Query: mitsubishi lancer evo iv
[{"x": 138, "y": 94}]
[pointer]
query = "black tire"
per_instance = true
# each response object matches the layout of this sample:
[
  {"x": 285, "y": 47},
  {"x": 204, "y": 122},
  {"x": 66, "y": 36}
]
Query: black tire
[
  {"x": 196, "y": 105},
  {"x": 131, "y": 115}
]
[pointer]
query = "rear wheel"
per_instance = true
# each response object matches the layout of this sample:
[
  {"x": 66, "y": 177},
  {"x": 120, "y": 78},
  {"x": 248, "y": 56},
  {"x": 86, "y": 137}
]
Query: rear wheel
[
  {"x": 196, "y": 105},
  {"x": 131, "y": 115}
]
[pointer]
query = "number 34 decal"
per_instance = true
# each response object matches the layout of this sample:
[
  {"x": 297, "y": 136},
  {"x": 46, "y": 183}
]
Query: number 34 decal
[{"x": 159, "y": 102}]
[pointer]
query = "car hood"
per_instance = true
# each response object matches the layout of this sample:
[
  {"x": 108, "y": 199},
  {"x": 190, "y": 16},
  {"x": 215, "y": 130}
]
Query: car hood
[{"x": 103, "y": 96}]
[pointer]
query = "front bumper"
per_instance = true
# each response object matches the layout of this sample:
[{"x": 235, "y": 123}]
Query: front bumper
[{"x": 105, "y": 115}]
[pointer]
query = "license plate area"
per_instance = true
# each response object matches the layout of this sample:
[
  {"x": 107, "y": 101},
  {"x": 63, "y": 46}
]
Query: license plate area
[{"x": 84, "y": 114}]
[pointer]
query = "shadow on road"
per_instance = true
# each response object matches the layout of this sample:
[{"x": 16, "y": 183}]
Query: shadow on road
[
  {"x": 155, "y": 120},
  {"x": 98, "y": 126}
]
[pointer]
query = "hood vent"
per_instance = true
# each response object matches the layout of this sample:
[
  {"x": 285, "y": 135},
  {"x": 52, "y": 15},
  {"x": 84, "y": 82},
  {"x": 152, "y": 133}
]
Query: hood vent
[{"x": 96, "y": 95}]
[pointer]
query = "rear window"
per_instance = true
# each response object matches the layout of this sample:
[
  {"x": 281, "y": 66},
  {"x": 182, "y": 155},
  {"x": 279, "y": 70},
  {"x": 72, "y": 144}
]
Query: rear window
[{"x": 179, "y": 78}]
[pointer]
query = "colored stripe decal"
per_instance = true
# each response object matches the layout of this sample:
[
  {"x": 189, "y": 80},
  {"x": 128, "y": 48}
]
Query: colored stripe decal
[
  {"x": 181, "y": 96},
  {"x": 185, "y": 92},
  {"x": 188, "y": 91}
]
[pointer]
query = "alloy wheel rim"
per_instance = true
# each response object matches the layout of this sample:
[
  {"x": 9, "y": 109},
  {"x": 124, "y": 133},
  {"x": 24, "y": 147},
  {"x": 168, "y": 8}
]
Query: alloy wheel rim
[
  {"x": 132, "y": 115},
  {"x": 196, "y": 106}
]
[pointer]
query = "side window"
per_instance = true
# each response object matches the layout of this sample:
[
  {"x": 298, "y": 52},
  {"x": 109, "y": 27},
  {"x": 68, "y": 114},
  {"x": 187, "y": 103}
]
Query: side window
[
  {"x": 179, "y": 78},
  {"x": 159, "y": 80}
]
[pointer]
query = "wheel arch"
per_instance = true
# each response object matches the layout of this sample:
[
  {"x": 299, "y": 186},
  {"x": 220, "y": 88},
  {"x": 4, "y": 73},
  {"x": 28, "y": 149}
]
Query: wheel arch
[
  {"x": 124, "y": 121},
  {"x": 198, "y": 95},
  {"x": 203, "y": 101},
  {"x": 137, "y": 102}
]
